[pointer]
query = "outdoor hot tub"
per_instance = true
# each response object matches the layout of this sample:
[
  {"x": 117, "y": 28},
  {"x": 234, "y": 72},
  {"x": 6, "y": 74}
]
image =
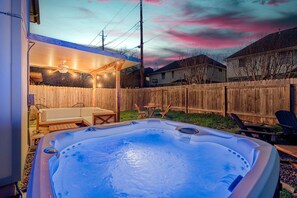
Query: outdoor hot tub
[{"x": 152, "y": 158}]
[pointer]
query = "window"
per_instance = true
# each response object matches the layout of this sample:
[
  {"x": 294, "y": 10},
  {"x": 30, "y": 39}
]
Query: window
[
  {"x": 241, "y": 62},
  {"x": 172, "y": 74},
  {"x": 220, "y": 70},
  {"x": 155, "y": 80},
  {"x": 163, "y": 75}
]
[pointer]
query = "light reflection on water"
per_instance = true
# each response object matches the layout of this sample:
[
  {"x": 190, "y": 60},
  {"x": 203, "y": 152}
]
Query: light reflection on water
[{"x": 147, "y": 164}]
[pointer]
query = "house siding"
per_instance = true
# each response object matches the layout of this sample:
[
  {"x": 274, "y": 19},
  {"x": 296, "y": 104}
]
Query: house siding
[
  {"x": 235, "y": 66},
  {"x": 13, "y": 86},
  {"x": 218, "y": 75}
]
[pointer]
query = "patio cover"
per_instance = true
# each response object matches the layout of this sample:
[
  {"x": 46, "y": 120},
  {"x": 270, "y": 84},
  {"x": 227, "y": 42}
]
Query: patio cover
[{"x": 49, "y": 53}]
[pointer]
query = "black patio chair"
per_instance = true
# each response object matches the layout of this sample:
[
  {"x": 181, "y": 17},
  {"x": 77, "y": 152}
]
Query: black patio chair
[
  {"x": 264, "y": 133},
  {"x": 288, "y": 122}
]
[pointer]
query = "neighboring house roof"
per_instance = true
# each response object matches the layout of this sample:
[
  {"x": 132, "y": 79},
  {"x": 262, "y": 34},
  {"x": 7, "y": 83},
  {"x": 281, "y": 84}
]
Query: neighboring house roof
[
  {"x": 278, "y": 40},
  {"x": 201, "y": 60},
  {"x": 148, "y": 71}
]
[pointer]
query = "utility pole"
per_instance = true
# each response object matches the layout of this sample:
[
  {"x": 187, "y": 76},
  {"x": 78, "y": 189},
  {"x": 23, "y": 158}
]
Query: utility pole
[
  {"x": 103, "y": 39},
  {"x": 141, "y": 47}
]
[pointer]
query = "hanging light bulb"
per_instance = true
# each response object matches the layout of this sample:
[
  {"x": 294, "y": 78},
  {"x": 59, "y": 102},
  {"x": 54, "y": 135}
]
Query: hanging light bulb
[
  {"x": 74, "y": 75},
  {"x": 99, "y": 85},
  {"x": 113, "y": 73},
  {"x": 98, "y": 77},
  {"x": 105, "y": 75}
]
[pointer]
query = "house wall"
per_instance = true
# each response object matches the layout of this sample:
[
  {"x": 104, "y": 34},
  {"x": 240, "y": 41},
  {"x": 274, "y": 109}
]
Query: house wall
[
  {"x": 234, "y": 71},
  {"x": 24, "y": 83},
  {"x": 179, "y": 74},
  {"x": 13, "y": 88},
  {"x": 232, "y": 68},
  {"x": 218, "y": 75}
]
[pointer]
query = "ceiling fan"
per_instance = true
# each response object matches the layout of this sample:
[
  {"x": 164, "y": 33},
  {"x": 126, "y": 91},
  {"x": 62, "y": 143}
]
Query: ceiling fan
[{"x": 62, "y": 68}]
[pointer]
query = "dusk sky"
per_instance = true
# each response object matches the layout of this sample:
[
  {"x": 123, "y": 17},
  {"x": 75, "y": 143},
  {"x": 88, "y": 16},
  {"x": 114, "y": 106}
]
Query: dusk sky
[{"x": 172, "y": 28}]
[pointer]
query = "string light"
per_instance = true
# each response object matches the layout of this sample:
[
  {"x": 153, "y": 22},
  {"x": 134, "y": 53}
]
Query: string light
[
  {"x": 99, "y": 85},
  {"x": 98, "y": 77},
  {"x": 105, "y": 75},
  {"x": 113, "y": 73},
  {"x": 74, "y": 75}
]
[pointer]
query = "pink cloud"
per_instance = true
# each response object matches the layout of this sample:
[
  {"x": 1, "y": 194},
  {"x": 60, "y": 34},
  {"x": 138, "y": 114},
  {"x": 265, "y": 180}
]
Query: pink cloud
[
  {"x": 235, "y": 24},
  {"x": 151, "y": 58},
  {"x": 276, "y": 2},
  {"x": 204, "y": 41},
  {"x": 226, "y": 21},
  {"x": 155, "y": 2},
  {"x": 172, "y": 58}
]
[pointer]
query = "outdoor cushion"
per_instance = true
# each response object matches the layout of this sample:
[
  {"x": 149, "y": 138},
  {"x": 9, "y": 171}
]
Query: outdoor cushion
[
  {"x": 70, "y": 114},
  {"x": 103, "y": 111},
  {"x": 56, "y": 113},
  {"x": 64, "y": 119},
  {"x": 42, "y": 115},
  {"x": 89, "y": 119},
  {"x": 87, "y": 111}
]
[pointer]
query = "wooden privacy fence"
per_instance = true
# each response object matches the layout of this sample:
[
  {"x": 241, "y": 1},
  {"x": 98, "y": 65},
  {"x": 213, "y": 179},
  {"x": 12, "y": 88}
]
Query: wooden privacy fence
[
  {"x": 51, "y": 96},
  {"x": 254, "y": 101}
]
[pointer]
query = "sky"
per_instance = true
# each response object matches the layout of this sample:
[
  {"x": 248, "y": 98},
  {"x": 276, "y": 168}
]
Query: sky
[{"x": 173, "y": 29}]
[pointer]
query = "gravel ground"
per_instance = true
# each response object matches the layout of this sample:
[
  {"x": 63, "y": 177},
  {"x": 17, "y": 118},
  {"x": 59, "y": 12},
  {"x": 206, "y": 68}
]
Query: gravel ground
[
  {"x": 288, "y": 173},
  {"x": 27, "y": 170}
]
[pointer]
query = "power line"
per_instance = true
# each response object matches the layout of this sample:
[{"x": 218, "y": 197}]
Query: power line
[
  {"x": 119, "y": 37},
  {"x": 124, "y": 18},
  {"x": 125, "y": 39},
  {"x": 120, "y": 22},
  {"x": 157, "y": 35},
  {"x": 108, "y": 23}
]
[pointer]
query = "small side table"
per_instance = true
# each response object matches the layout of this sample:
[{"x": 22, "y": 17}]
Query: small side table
[
  {"x": 150, "y": 110},
  {"x": 103, "y": 118}
]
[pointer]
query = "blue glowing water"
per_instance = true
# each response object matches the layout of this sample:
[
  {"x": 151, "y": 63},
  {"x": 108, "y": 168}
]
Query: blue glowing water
[{"x": 146, "y": 164}]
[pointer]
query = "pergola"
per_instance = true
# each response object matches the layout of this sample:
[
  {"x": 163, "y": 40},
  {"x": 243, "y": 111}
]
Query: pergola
[{"x": 49, "y": 53}]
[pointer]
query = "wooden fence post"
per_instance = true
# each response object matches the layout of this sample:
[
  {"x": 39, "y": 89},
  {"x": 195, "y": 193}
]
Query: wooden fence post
[
  {"x": 186, "y": 100},
  {"x": 94, "y": 90},
  {"x": 162, "y": 100},
  {"x": 224, "y": 101},
  {"x": 292, "y": 98}
]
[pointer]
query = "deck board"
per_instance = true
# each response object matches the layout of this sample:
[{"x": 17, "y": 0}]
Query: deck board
[{"x": 288, "y": 149}]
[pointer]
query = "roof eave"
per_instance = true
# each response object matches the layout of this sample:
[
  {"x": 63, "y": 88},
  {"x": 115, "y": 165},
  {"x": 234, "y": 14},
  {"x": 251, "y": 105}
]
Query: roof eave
[
  {"x": 265, "y": 52},
  {"x": 35, "y": 37}
]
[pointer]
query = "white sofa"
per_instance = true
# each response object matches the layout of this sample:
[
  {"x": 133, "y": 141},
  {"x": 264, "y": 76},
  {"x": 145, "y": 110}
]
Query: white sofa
[{"x": 69, "y": 115}]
